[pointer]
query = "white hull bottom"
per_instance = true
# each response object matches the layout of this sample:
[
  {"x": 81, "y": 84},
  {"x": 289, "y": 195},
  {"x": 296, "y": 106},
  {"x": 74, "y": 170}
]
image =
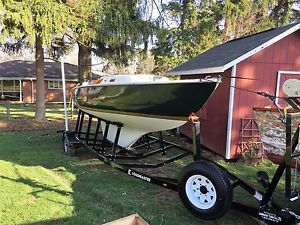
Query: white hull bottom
[{"x": 134, "y": 127}]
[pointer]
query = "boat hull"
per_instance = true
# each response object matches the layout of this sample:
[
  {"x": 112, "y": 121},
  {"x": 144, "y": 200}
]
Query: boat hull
[
  {"x": 134, "y": 126},
  {"x": 143, "y": 107},
  {"x": 171, "y": 101}
]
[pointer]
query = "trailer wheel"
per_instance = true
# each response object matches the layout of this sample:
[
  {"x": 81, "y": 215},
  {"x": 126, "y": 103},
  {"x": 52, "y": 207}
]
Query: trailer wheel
[
  {"x": 205, "y": 190},
  {"x": 68, "y": 149}
]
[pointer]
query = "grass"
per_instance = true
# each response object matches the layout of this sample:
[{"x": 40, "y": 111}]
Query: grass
[
  {"x": 27, "y": 110},
  {"x": 40, "y": 185}
]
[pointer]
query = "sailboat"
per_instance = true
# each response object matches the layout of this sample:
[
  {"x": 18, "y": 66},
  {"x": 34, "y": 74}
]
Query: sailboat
[{"x": 143, "y": 103}]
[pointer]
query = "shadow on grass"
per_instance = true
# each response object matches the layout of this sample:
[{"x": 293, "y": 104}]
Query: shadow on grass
[
  {"x": 99, "y": 193},
  {"x": 35, "y": 184}
]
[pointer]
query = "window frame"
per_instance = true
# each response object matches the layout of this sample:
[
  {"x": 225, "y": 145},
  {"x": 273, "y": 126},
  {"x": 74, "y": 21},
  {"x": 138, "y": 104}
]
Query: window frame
[
  {"x": 15, "y": 87},
  {"x": 55, "y": 84}
]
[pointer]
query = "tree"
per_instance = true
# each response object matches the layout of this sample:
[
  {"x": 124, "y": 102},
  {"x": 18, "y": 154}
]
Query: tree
[
  {"x": 282, "y": 12},
  {"x": 113, "y": 30},
  {"x": 87, "y": 17},
  {"x": 193, "y": 29},
  {"x": 296, "y": 13},
  {"x": 121, "y": 31},
  {"x": 37, "y": 21},
  {"x": 198, "y": 25},
  {"x": 247, "y": 17}
]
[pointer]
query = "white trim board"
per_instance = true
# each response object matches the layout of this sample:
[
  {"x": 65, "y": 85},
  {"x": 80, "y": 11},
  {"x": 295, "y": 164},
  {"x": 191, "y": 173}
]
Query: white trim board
[{"x": 230, "y": 112}]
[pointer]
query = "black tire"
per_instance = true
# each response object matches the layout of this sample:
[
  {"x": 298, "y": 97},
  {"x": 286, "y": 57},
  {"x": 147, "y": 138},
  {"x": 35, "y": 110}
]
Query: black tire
[
  {"x": 205, "y": 190},
  {"x": 68, "y": 149}
]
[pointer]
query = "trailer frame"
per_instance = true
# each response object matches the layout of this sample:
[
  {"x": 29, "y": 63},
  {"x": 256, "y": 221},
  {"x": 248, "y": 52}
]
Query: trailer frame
[{"x": 268, "y": 211}]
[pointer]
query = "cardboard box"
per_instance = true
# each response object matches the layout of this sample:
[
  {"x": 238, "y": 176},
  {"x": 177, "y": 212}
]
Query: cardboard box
[{"x": 134, "y": 219}]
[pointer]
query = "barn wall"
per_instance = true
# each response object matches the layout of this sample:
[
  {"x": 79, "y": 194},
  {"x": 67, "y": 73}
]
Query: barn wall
[
  {"x": 263, "y": 66},
  {"x": 213, "y": 117}
]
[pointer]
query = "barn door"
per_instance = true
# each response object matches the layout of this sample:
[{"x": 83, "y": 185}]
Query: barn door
[{"x": 282, "y": 76}]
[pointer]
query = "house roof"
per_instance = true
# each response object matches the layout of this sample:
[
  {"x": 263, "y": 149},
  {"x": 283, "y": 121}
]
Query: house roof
[
  {"x": 20, "y": 69},
  {"x": 224, "y": 56}
]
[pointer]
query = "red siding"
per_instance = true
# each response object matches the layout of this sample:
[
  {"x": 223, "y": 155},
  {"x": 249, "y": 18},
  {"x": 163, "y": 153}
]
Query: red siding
[
  {"x": 263, "y": 66},
  {"x": 51, "y": 95},
  {"x": 56, "y": 95},
  {"x": 27, "y": 97},
  {"x": 213, "y": 117}
]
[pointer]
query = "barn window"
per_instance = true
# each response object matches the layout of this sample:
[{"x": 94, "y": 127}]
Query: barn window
[{"x": 54, "y": 84}]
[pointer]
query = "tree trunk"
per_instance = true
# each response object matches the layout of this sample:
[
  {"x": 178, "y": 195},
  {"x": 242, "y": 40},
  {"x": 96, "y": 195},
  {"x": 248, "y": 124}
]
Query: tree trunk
[
  {"x": 40, "y": 85},
  {"x": 227, "y": 29},
  {"x": 84, "y": 64}
]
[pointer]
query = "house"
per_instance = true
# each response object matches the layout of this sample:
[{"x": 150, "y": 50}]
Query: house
[
  {"x": 18, "y": 80},
  {"x": 259, "y": 62}
]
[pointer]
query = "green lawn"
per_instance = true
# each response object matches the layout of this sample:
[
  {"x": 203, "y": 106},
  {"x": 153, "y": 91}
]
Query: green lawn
[
  {"x": 40, "y": 185},
  {"x": 23, "y": 110}
]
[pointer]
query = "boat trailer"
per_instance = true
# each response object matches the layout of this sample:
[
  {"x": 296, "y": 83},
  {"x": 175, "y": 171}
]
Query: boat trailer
[{"x": 204, "y": 187}]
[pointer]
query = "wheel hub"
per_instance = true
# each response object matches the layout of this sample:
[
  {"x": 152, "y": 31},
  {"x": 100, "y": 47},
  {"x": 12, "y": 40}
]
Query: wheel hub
[{"x": 201, "y": 192}]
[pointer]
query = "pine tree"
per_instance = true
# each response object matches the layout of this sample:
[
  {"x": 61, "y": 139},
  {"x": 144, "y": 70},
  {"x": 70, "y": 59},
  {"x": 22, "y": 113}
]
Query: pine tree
[
  {"x": 199, "y": 25},
  {"x": 87, "y": 16},
  {"x": 114, "y": 30},
  {"x": 246, "y": 17},
  {"x": 37, "y": 21},
  {"x": 194, "y": 29},
  {"x": 122, "y": 31},
  {"x": 282, "y": 12}
]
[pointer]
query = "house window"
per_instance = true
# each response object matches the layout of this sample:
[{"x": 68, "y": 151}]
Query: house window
[
  {"x": 54, "y": 84},
  {"x": 9, "y": 85}
]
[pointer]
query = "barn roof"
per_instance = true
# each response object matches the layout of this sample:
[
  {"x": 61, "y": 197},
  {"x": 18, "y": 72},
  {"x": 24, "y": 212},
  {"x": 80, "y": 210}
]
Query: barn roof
[
  {"x": 21, "y": 69},
  {"x": 221, "y": 57}
]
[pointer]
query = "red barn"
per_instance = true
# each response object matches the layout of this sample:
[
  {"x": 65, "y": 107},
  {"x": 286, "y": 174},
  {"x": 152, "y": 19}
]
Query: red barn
[{"x": 265, "y": 60}]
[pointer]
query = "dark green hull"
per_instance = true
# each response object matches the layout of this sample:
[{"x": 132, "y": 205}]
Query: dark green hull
[{"x": 165, "y": 100}]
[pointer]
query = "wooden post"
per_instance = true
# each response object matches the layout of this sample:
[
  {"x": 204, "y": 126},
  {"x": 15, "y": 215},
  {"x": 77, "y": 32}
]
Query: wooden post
[
  {"x": 8, "y": 106},
  {"x": 72, "y": 108}
]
